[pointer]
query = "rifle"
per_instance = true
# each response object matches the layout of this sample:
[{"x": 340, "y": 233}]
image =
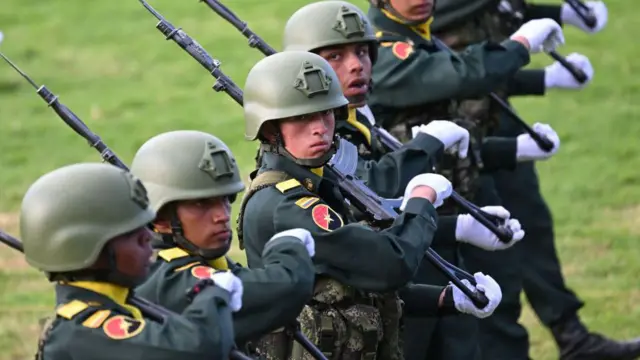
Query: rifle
[
  {"x": 150, "y": 310},
  {"x": 493, "y": 223},
  {"x": 584, "y": 12},
  {"x": 153, "y": 311},
  {"x": 359, "y": 195},
  {"x": 518, "y": 17}
]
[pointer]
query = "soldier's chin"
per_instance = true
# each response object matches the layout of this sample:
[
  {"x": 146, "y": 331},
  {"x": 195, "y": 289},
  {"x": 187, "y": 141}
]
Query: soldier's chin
[{"x": 357, "y": 100}]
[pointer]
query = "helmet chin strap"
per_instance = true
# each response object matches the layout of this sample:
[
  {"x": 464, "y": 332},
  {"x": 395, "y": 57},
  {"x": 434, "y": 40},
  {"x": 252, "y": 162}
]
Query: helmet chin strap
[
  {"x": 278, "y": 148},
  {"x": 177, "y": 238},
  {"x": 110, "y": 275}
]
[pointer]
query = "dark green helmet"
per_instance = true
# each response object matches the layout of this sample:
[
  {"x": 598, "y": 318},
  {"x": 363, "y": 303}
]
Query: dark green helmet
[
  {"x": 288, "y": 84},
  {"x": 69, "y": 215},
  {"x": 329, "y": 23},
  {"x": 186, "y": 165}
]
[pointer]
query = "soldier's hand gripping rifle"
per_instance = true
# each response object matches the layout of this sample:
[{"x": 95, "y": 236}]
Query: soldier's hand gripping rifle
[
  {"x": 493, "y": 223},
  {"x": 153, "y": 311},
  {"x": 359, "y": 195},
  {"x": 518, "y": 18},
  {"x": 584, "y": 12}
]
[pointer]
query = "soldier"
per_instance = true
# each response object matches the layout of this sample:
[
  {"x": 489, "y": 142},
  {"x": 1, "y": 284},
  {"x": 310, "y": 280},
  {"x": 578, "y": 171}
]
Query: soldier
[
  {"x": 85, "y": 227},
  {"x": 192, "y": 179},
  {"x": 291, "y": 102},
  {"x": 351, "y": 52},
  {"x": 461, "y": 24},
  {"x": 415, "y": 81}
]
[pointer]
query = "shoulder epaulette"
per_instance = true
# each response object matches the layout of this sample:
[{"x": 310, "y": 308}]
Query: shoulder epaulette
[
  {"x": 386, "y": 36},
  {"x": 169, "y": 255},
  {"x": 96, "y": 319},
  {"x": 71, "y": 309},
  {"x": 286, "y": 185}
]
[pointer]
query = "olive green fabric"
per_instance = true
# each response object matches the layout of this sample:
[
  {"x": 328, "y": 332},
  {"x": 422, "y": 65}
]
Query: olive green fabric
[
  {"x": 273, "y": 295},
  {"x": 68, "y": 215},
  {"x": 287, "y": 84},
  {"x": 91, "y": 325},
  {"x": 186, "y": 165},
  {"x": 328, "y": 23}
]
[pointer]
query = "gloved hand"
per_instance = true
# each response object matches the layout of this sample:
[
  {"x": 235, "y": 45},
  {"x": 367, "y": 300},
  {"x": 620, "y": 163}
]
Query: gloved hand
[
  {"x": 1, "y": 37},
  {"x": 485, "y": 284},
  {"x": 542, "y": 34},
  {"x": 302, "y": 234},
  {"x": 599, "y": 10},
  {"x": 231, "y": 283},
  {"x": 455, "y": 138},
  {"x": 440, "y": 185},
  {"x": 469, "y": 230},
  {"x": 527, "y": 148},
  {"x": 557, "y": 76}
]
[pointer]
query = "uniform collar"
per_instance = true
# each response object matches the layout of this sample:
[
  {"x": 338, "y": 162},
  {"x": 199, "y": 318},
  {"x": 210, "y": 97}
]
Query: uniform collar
[
  {"x": 385, "y": 21},
  {"x": 309, "y": 178},
  {"x": 96, "y": 292}
]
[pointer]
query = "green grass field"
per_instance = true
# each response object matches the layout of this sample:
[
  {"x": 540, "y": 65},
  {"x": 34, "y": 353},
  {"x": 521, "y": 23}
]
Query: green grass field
[{"x": 110, "y": 65}]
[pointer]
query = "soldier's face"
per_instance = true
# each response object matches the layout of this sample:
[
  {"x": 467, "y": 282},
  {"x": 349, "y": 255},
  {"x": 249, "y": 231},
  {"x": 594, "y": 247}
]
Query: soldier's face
[
  {"x": 308, "y": 136},
  {"x": 353, "y": 66},
  {"x": 206, "y": 222},
  {"x": 414, "y": 10},
  {"x": 133, "y": 252}
]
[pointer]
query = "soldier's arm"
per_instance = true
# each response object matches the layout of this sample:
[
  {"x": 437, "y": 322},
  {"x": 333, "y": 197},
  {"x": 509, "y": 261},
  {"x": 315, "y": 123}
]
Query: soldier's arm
[
  {"x": 203, "y": 331},
  {"x": 541, "y": 11},
  {"x": 446, "y": 234},
  {"x": 499, "y": 153},
  {"x": 355, "y": 254},
  {"x": 426, "y": 300},
  {"x": 424, "y": 77},
  {"x": 274, "y": 295},
  {"x": 527, "y": 82},
  {"x": 389, "y": 175}
]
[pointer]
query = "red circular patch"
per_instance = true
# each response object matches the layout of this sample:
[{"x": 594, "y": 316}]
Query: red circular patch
[
  {"x": 326, "y": 218},
  {"x": 202, "y": 272},
  {"x": 122, "y": 327},
  {"x": 402, "y": 50}
]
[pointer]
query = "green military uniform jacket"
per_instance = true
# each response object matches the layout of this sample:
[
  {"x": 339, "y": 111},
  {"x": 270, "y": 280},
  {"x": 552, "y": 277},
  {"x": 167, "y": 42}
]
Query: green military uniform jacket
[
  {"x": 93, "y": 322},
  {"x": 273, "y": 295},
  {"x": 451, "y": 14},
  {"x": 385, "y": 172},
  {"x": 412, "y": 73},
  {"x": 351, "y": 253},
  {"x": 366, "y": 137}
]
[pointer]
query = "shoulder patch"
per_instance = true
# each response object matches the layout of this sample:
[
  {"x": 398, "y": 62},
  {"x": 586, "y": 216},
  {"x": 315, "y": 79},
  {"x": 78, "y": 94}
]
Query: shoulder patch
[
  {"x": 185, "y": 267},
  {"x": 326, "y": 218},
  {"x": 169, "y": 255},
  {"x": 122, "y": 327},
  {"x": 202, "y": 272},
  {"x": 283, "y": 186},
  {"x": 307, "y": 201},
  {"x": 71, "y": 309},
  {"x": 402, "y": 50},
  {"x": 95, "y": 321}
]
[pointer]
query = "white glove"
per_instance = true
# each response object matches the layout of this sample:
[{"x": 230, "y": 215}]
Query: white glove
[
  {"x": 528, "y": 149},
  {"x": 557, "y": 76},
  {"x": 599, "y": 10},
  {"x": 485, "y": 284},
  {"x": 542, "y": 34},
  {"x": 438, "y": 183},
  {"x": 1, "y": 37},
  {"x": 233, "y": 285},
  {"x": 455, "y": 138},
  {"x": 469, "y": 230},
  {"x": 302, "y": 234}
]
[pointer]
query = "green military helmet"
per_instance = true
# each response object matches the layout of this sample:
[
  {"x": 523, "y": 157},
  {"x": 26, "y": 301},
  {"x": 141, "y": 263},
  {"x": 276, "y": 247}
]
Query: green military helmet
[
  {"x": 287, "y": 84},
  {"x": 329, "y": 23},
  {"x": 186, "y": 165},
  {"x": 69, "y": 214}
]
